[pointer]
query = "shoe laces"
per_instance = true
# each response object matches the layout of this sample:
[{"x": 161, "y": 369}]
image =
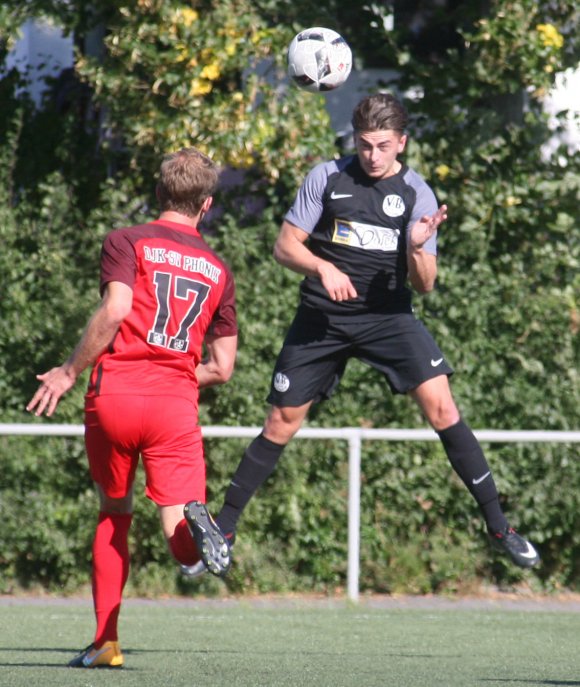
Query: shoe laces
[
  {"x": 513, "y": 538},
  {"x": 86, "y": 650}
]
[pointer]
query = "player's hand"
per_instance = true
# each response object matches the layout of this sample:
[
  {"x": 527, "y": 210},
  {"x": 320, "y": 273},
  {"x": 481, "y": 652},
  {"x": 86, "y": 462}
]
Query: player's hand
[
  {"x": 337, "y": 284},
  {"x": 55, "y": 383},
  {"x": 426, "y": 226}
]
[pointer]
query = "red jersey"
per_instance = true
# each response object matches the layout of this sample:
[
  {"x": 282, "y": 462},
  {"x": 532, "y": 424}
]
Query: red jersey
[{"x": 182, "y": 291}]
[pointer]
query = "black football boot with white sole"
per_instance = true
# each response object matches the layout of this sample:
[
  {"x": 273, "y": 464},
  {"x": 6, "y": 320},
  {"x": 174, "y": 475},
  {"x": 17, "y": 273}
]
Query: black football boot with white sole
[
  {"x": 212, "y": 544},
  {"x": 517, "y": 548}
]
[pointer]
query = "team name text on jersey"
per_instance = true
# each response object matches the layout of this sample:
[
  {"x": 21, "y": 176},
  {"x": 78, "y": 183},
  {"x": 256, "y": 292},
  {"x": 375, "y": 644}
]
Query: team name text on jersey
[{"x": 186, "y": 262}]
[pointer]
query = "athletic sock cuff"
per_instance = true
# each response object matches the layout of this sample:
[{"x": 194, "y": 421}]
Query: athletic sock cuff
[
  {"x": 458, "y": 438},
  {"x": 263, "y": 451},
  {"x": 115, "y": 517}
]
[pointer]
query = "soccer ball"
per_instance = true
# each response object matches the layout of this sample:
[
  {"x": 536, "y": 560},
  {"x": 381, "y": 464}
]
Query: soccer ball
[{"x": 319, "y": 59}]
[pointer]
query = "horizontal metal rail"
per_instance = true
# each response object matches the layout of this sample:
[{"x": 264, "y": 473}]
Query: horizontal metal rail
[
  {"x": 486, "y": 435},
  {"x": 354, "y": 436}
]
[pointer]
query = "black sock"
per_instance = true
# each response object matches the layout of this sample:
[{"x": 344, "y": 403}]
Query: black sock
[
  {"x": 257, "y": 464},
  {"x": 468, "y": 461}
]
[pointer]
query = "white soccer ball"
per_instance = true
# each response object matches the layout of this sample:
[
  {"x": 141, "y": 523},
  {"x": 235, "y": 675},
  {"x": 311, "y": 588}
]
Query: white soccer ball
[{"x": 319, "y": 59}]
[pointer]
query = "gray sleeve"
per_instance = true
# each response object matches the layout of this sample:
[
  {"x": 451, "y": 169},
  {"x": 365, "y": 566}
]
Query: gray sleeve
[
  {"x": 307, "y": 207},
  {"x": 425, "y": 204}
]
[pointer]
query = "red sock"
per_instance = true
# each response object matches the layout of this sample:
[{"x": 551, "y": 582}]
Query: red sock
[
  {"x": 183, "y": 546},
  {"x": 110, "y": 572}
]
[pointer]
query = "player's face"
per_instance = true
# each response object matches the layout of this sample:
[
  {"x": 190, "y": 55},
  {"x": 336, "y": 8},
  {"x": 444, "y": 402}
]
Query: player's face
[{"x": 377, "y": 152}]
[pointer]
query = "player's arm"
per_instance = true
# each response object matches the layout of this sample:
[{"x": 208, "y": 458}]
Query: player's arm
[
  {"x": 99, "y": 332},
  {"x": 218, "y": 365},
  {"x": 422, "y": 265},
  {"x": 290, "y": 250}
]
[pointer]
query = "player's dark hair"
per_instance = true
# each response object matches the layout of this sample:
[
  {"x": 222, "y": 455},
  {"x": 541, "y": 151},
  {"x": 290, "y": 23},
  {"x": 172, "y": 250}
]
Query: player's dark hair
[
  {"x": 186, "y": 178},
  {"x": 380, "y": 112}
]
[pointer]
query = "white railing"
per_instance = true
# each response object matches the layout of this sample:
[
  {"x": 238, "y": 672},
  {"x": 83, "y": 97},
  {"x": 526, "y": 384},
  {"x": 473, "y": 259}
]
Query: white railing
[{"x": 354, "y": 436}]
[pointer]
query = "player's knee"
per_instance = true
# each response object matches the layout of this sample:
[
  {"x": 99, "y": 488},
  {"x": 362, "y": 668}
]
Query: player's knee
[
  {"x": 282, "y": 424},
  {"x": 441, "y": 413},
  {"x": 444, "y": 416},
  {"x": 120, "y": 506}
]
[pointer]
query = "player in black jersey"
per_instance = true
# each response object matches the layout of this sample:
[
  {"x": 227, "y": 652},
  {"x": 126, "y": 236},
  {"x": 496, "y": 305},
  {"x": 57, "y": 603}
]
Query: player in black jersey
[{"x": 360, "y": 228}]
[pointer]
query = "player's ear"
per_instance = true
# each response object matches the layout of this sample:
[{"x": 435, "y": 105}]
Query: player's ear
[
  {"x": 402, "y": 143},
  {"x": 207, "y": 203}
]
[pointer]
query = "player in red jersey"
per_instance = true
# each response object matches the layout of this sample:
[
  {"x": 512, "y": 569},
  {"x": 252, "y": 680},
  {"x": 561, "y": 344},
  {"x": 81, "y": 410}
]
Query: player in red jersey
[{"x": 165, "y": 294}]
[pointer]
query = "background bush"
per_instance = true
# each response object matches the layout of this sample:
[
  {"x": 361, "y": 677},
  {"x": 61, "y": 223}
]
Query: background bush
[{"x": 505, "y": 312}]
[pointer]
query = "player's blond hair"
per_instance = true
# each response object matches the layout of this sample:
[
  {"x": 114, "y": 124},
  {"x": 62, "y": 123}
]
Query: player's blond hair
[
  {"x": 380, "y": 112},
  {"x": 186, "y": 178}
]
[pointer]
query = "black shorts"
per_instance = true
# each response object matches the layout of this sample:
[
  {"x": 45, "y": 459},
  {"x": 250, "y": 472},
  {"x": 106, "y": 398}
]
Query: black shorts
[{"x": 316, "y": 350}]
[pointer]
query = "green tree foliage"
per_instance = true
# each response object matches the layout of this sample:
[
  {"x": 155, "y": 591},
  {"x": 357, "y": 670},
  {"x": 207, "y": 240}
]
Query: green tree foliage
[{"x": 151, "y": 76}]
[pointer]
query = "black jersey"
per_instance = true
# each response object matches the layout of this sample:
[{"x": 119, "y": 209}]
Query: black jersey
[{"x": 360, "y": 225}]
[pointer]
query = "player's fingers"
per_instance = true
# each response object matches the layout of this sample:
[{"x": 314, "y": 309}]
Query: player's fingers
[
  {"x": 340, "y": 288},
  {"x": 41, "y": 405},
  {"x": 346, "y": 291},
  {"x": 52, "y": 405},
  {"x": 44, "y": 398},
  {"x": 42, "y": 393},
  {"x": 35, "y": 400}
]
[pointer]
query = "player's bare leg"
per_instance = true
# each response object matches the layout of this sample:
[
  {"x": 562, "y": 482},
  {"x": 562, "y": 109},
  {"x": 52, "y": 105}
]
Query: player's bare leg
[
  {"x": 283, "y": 423},
  {"x": 435, "y": 400}
]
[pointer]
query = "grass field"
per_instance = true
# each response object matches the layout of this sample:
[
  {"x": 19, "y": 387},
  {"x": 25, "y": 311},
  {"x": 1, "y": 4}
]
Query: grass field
[{"x": 296, "y": 643}]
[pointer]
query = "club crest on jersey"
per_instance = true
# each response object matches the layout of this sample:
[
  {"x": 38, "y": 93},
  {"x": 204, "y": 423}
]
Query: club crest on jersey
[
  {"x": 393, "y": 205},
  {"x": 281, "y": 382}
]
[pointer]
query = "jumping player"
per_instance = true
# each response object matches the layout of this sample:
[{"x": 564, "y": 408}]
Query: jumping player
[
  {"x": 359, "y": 229},
  {"x": 165, "y": 293}
]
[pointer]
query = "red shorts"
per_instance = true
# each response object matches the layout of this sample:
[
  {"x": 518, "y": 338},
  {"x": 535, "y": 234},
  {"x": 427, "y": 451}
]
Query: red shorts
[{"x": 163, "y": 430}]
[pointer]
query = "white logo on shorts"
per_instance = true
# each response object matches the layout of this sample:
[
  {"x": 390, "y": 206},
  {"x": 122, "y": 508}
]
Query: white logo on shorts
[
  {"x": 393, "y": 205},
  {"x": 281, "y": 382}
]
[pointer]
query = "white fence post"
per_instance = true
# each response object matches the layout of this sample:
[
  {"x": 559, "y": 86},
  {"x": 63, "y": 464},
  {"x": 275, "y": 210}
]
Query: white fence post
[{"x": 354, "y": 470}]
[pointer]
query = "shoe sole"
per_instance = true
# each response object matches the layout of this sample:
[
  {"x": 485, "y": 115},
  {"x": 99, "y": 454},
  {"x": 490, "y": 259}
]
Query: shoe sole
[
  {"x": 212, "y": 545},
  {"x": 77, "y": 662},
  {"x": 100, "y": 666}
]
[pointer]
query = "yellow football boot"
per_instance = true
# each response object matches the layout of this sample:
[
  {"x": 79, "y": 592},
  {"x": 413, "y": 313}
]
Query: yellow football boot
[{"x": 106, "y": 656}]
